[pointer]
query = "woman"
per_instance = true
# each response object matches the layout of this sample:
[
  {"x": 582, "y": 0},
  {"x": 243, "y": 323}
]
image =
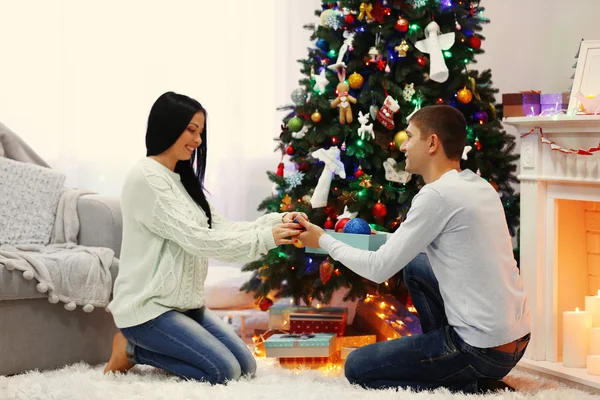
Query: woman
[{"x": 169, "y": 232}]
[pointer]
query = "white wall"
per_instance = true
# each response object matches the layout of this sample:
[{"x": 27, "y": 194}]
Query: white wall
[{"x": 78, "y": 77}]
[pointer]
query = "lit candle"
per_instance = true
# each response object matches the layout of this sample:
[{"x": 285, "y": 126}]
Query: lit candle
[
  {"x": 593, "y": 365},
  {"x": 595, "y": 342},
  {"x": 592, "y": 305},
  {"x": 577, "y": 326}
]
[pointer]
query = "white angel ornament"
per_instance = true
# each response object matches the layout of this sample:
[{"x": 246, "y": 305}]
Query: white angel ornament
[{"x": 433, "y": 44}]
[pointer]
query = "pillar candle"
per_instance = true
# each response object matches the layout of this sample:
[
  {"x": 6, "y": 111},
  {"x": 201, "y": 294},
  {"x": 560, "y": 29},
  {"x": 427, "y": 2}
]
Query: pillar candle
[
  {"x": 595, "y": 342},
  {"x": 593, "y": 365},
  {"x": 592, "y": 305},
  {"x": 577, "y": 326}
]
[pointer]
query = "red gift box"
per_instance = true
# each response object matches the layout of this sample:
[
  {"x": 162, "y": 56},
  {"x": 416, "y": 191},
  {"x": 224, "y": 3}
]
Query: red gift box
[{"x": 318, "y": 323}]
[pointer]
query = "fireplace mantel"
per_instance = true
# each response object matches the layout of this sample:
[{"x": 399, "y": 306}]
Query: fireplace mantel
[{"x": 550, "y": 177}]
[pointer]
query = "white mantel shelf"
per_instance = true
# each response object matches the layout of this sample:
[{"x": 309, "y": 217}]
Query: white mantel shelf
[{"x": 558, "y": 123}]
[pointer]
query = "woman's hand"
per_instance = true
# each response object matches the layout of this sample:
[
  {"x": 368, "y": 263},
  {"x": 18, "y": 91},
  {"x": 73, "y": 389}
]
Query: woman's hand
[
  {"x": 310, "y": 237},
  {"x": 281, "y": 233},
  {"x": 291, "y": 216}
]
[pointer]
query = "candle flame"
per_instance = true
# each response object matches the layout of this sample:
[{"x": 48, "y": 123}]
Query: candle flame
[{"x": 318, "y": 305}]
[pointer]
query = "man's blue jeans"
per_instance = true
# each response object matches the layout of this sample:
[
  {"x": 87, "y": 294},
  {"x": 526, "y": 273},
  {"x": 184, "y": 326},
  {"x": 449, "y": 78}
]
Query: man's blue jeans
[
  {"x": 193, "y": 345},
  {"x": 436, "y": 358}
]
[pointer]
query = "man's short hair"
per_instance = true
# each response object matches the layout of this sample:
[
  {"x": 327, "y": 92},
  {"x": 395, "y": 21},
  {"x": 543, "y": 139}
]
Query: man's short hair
[{"x": 447, "y": 123}]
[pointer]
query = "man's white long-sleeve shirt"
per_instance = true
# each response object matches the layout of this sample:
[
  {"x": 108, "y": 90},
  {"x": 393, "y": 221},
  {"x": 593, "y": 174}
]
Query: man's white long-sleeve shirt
[{"x": 459, "y": 222}]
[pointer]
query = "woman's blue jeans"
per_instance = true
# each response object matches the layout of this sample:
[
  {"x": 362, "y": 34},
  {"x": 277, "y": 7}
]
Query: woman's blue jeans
[{"x": 195, "y": 344}]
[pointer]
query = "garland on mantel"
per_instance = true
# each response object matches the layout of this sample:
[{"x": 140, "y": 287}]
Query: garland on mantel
[{"x": 554, "y": 146}]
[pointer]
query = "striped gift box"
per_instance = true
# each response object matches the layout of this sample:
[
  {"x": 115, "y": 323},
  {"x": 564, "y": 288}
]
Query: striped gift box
[{"x": 309, "y": 319}]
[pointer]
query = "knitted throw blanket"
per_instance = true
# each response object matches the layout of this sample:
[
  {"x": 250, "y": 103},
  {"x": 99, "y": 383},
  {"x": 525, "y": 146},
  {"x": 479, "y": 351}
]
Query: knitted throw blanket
[{"x": 38, "y": 237}]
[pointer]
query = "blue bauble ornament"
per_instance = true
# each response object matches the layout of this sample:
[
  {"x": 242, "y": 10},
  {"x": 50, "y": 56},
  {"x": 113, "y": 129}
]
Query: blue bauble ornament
[
  {"x": 357, "y": 225},
  {"x": 323, "y": 45}
]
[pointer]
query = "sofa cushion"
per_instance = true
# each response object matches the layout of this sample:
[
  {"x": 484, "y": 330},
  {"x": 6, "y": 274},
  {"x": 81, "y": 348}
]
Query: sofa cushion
[{"x": 29, "y": 196}]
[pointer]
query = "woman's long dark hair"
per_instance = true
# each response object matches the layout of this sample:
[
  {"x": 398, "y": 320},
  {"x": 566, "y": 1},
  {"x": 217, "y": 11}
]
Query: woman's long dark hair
[{"x": 169, "y": 118}]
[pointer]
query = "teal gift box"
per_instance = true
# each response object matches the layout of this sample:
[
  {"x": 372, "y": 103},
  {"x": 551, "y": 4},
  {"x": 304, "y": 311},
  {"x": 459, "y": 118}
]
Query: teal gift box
[
  {"x": 301, "y": 345},
  {"x": 363, "y": 242}
]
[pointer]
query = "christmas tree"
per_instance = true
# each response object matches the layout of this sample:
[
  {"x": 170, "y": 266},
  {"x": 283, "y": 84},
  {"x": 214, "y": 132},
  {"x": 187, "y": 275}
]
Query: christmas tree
[{"x": 374, "y": 64}]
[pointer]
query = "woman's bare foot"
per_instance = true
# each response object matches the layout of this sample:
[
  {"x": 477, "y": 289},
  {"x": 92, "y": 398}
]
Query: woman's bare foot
[{"x": 118, "y": 359}]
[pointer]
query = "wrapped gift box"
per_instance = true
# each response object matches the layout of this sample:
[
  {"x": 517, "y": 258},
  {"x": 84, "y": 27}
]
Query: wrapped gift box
[
  {"x": 521, "y": 104},
  {"x": 301, "y": 345},
  {"x": 554, "y": 101},
  {"x": 309, "y": 319},
  {"x": 319, "y": 322},
  {"x": 364, "y": 242},
  {"x": 308, "y": 362},
  {"x": 348, "y": 344},
  {"x": 355, "y": 341}
]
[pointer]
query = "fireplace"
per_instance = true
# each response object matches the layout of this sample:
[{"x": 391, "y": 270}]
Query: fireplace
[{"x": 560, "y": 231}]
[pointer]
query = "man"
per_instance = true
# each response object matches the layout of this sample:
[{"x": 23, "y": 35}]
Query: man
[{"x": 466, "y": 288}]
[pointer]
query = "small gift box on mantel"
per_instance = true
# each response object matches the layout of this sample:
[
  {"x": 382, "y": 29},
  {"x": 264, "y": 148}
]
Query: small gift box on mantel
[
  {"x": 521, "y": 104},
  {"x": 301, "y": 345},
  {"x": 554, "y": 102}
]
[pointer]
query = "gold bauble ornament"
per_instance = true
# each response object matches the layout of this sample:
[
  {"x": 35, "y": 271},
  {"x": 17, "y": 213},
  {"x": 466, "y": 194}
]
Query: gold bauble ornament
[
  {"x": 465, "y": 96},
  {"x": 356, "y": 80},
  {"x": 399, "y": 138},
  {"x": 262, "y": 272},
  {"x": 316, "y": 117}
]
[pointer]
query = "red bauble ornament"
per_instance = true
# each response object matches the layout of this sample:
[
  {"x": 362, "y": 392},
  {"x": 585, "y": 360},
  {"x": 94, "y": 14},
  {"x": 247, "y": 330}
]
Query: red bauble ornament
[
  {"x": 325, "y": 271},
  {"x": 280, "y": 169},
  {"x": 402, "y": 25},
  {"x": 339, "y": 226},
  {"x": 475, "y": 42},
  {"x": 303, "y": 167},
  {"x": 349, "y": 19},
  {"x": 328, "y": 224},
  {"x": 359, "y": 172},
  {"x": 478, "y": 144},
  {"x": 290, "y": 150},
  {"x": 380, "y": 210},
  {"x": 439, "y": 101},
  {"x": 265, "y": 304}
]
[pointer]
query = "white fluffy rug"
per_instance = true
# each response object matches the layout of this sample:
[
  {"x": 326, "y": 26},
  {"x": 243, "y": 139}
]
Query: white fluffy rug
[{"x": 80, "y": 381}]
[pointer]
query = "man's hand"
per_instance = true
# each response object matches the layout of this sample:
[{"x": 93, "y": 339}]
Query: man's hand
[
  {"x": 289, "y": 217},
  {"x": 310, "y": 238}
]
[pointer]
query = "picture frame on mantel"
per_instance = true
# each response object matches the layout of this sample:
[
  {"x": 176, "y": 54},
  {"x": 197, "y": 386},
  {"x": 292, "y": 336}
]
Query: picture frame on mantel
[{"x": 587, "y": 79}]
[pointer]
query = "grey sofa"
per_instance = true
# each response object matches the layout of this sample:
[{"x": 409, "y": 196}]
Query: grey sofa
[{"x": 35, "y": 334}]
